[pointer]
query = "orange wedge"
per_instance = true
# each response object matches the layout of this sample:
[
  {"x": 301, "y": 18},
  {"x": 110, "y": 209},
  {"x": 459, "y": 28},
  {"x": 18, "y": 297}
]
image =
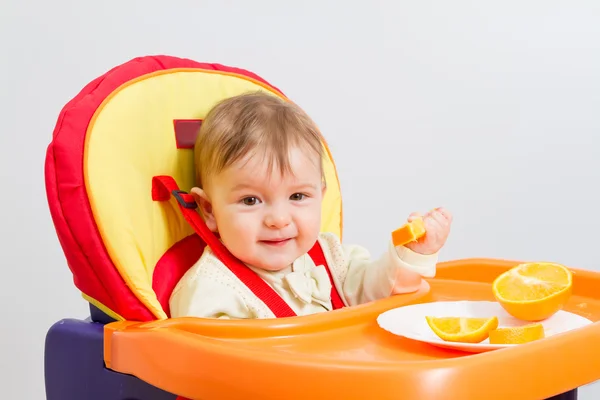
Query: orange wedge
[
  {"x": 533, "y": 291},
  {"x": 517, "y": 334},
  {"x": 462, "y": 329},
  {"x": 409, "y": 232}
]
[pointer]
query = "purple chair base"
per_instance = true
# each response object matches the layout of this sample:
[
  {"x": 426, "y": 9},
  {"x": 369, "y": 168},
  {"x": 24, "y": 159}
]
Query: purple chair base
[{"x": 74, "y": 367}]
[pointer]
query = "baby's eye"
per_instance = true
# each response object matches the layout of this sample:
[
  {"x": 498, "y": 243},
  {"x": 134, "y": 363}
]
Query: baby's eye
[
  {"x": 250, "y": 201},
  {"x": 297, "y": 196}
]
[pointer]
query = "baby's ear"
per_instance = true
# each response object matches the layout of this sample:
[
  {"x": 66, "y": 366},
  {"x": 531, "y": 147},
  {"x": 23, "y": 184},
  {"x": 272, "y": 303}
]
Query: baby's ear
[
  {"x": 323, "y": 188},
  {"x": 205, "y": 207}
]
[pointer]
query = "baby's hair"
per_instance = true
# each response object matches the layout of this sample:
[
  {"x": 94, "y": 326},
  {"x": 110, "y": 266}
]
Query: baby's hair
[{"x": 249, "y": 124}]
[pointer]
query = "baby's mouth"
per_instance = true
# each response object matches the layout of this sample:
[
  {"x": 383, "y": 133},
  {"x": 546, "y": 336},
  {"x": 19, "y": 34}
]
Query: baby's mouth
[{"x": 276, "y": 242}]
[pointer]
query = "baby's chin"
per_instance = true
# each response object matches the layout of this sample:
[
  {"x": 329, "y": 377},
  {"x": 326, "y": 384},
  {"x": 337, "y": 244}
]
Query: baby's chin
[
  {"x": 272, "y": 268},
  {"x": 273, "y": 265}
]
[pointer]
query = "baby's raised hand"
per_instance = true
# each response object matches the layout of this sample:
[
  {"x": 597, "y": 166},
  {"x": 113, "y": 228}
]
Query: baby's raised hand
[{"x": 437, "y": 226}]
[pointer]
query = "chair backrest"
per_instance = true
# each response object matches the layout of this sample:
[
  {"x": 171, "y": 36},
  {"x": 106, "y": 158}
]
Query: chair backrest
[{"x": 137, "y": 121}]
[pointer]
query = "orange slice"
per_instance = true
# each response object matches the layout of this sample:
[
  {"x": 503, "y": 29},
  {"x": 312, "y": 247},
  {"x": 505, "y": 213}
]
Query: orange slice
[
  {"x": 517, "y": 334},
  {"x": 462, "y": 329},
  {"x": 533, "y": 291},
  {"x": 409, "y": 232}
]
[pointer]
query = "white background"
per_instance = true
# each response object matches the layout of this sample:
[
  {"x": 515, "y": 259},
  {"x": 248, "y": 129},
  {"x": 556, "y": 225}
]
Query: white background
[{"x": 488, "y": 108}]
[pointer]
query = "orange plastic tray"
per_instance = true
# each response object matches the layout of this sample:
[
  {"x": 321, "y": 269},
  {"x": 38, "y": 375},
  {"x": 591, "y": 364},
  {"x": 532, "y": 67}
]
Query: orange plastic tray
[{"x": 344, "y": 354}]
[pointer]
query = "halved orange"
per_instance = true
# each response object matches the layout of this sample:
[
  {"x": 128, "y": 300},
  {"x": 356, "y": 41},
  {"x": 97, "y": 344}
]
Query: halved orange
[
  {"x": 462, "y": 329},
  {"x": 533, "y": 291},
  {"x": 517, "y": 334},
  {"x": 408, "y": 232}
]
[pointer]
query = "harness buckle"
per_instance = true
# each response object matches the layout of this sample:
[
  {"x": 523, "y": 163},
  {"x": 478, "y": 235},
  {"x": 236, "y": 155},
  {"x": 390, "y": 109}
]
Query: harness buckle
[{"x": 179, "y": 195}]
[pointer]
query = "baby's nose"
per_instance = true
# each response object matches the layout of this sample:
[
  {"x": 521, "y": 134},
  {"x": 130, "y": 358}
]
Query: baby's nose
[{"x": 278, "y": 219}]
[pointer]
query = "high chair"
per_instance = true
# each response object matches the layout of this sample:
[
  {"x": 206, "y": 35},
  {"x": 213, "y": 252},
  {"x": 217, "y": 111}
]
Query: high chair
[{"x": 117, "y": 171}]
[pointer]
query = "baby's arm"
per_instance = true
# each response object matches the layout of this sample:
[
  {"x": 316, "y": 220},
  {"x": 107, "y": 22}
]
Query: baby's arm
[
  {"x": 398, "y": 270},
  {"x": 201, "y": 296}
]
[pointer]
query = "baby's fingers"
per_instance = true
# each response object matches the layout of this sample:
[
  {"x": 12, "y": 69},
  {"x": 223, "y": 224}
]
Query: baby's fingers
[
  {"x": 444, "y": 213},
  {"x": 441, "y": 221},
  {"x": 433, "y": 225},
  {"x": 413, "y": 216}
]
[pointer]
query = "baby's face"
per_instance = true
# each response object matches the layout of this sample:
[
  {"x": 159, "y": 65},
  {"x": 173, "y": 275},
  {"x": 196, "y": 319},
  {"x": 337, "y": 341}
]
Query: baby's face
[{"x": 268, "y": 220}]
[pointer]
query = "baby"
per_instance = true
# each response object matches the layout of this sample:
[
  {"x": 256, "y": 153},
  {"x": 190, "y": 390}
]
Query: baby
[{"x": 260, "y": 187}]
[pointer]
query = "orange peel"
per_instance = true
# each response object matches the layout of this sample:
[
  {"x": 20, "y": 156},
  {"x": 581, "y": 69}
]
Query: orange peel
[{"x": 462, "y": 329}]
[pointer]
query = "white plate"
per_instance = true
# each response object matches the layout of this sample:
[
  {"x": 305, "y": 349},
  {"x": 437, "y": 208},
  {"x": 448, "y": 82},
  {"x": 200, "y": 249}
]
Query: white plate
[{"x": 409, "y": 321}]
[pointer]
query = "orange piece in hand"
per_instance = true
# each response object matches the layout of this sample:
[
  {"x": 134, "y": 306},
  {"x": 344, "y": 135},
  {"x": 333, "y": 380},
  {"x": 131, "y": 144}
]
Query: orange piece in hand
[{"x": 409, "y": 232}]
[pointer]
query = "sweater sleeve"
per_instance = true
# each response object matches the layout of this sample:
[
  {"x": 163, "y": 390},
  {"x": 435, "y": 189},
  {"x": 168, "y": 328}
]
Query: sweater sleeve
[{"x": 398, "y": 270}]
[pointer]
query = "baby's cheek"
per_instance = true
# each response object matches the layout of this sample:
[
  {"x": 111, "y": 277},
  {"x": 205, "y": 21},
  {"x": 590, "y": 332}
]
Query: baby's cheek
[
  {"x": 244, "y": 226},
  {"x": 313, "y": 226}
]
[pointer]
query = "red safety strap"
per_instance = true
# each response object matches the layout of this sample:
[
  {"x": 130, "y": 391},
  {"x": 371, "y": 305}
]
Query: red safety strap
[
  {"x": 162, "y": 189},
  {"x": 316, "y": 253}
]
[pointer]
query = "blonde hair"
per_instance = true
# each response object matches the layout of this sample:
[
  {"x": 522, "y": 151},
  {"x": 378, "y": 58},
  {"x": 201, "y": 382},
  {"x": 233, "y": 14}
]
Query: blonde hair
[{"x": 251, "y": 123}]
